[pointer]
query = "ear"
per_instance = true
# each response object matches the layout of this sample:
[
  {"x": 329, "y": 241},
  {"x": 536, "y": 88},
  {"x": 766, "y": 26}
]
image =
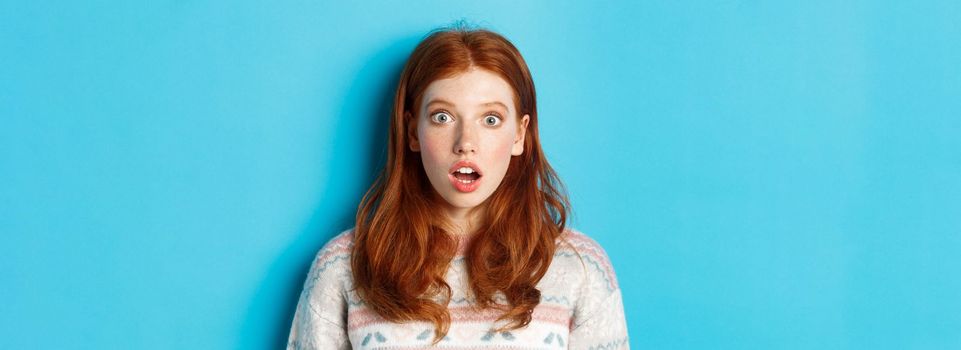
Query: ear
[
  {"x": 412, "y": 132},
  {"x": 518, "y": 147}
]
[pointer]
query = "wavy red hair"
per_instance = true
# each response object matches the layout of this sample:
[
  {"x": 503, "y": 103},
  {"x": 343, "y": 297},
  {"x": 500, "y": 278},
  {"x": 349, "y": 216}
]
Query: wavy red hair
[{"x": 402, "y": 249}]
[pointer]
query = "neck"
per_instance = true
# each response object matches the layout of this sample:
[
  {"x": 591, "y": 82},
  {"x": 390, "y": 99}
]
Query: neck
[{"x": 464, "y": 221}]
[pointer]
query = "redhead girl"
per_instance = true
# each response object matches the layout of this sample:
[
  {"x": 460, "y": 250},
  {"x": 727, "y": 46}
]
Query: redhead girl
[{"x": 461, "y": 242}]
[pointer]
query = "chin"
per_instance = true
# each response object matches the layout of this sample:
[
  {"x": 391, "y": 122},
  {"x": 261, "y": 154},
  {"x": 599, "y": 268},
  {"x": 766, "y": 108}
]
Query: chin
[{"x": 463, "y": 203}]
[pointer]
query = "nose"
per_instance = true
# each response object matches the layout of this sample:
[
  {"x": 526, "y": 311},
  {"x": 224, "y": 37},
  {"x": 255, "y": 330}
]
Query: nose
[{"x": 466, "y": 140}]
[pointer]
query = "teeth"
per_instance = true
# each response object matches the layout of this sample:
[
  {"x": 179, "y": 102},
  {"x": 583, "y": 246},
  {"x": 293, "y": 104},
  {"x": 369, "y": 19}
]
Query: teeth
[
  {"x": 465, "y": 181},
  {"x": 465, "y": 170}
]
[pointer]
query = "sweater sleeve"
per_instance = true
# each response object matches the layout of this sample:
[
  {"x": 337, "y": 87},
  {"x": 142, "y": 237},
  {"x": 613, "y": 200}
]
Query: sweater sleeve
[
  {"x": 320, "y": 320},
  {"x": 598, "y": 321}
]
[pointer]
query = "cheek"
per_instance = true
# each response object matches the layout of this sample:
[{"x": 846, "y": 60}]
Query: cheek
[
  {"x": 433, "y": 148},
  {"x": 504, "y": 150},
  {"x": 503, "y": 143},
  {"x": 501, "y": 151}
]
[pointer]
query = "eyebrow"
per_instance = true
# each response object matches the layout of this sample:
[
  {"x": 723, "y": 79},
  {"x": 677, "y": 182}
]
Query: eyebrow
[{"x": 444, "y": 102}]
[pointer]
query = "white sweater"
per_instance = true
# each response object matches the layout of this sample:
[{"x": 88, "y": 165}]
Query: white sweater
[{"x": 580, "y": 307}]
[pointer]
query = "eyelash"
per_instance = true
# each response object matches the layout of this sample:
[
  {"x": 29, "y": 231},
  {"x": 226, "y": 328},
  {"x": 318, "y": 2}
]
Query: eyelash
[{"x": 495, "y": 114}]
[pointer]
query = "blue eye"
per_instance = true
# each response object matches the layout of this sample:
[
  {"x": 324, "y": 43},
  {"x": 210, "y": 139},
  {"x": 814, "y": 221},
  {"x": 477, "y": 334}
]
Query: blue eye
[
  {"x": 441, "y": 117},
  {"x": 492, "y": 120}
]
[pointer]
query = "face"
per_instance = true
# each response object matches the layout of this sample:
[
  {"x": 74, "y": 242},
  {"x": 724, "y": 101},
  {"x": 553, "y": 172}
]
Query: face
[{"x": 467, "y": 129}]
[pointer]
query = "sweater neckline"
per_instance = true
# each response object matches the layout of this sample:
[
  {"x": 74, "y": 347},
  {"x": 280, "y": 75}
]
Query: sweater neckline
[{"x": 463, "y": 243}]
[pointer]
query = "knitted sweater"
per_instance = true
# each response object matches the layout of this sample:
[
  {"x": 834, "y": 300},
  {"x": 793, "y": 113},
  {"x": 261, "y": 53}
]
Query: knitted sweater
[{"x": 580, "y": 307}]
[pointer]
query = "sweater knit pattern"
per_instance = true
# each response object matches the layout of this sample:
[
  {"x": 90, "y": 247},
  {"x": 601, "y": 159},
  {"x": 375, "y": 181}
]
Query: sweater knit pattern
[{"x": 580, "y": 307}]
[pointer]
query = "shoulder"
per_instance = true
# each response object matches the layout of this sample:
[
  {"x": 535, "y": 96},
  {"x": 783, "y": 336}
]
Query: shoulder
[
  {"x": 338, "y": 245},
  {"x": 582, "y": 242},
  {"x": 334, "y": 257},
  {"x": 591, "y": 256},
  {"x": 322, "y": 308}
]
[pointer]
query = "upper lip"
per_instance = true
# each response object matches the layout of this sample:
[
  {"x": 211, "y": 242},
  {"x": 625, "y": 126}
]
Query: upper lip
[{"x": 466, "y": 163}]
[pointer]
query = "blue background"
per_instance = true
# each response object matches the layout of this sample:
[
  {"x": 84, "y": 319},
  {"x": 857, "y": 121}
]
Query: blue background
[{"x": 763, "y": 175}]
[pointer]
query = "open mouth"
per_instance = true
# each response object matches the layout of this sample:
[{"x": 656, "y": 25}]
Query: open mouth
[{"x": 466, "y": 175}]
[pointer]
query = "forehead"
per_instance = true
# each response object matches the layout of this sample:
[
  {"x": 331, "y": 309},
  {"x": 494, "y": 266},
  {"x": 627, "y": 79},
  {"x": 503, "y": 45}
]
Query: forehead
[{"x": 476, "y": 87}]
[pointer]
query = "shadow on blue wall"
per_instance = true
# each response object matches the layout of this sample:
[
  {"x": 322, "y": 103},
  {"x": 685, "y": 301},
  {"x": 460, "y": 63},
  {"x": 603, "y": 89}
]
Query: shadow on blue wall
[{"x": 363, "y": 121}]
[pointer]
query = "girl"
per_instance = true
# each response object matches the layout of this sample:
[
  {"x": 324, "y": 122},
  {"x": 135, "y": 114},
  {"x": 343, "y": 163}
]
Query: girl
[{"x": 461, "y": 241}]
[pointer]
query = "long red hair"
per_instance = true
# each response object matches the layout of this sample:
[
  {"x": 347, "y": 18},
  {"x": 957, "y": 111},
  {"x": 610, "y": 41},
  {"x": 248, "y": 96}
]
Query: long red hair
[{"x": 402, "y": 248}]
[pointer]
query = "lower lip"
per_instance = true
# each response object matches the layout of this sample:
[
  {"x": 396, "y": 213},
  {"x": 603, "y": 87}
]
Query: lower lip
[{"x": 462, "y": 187}]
